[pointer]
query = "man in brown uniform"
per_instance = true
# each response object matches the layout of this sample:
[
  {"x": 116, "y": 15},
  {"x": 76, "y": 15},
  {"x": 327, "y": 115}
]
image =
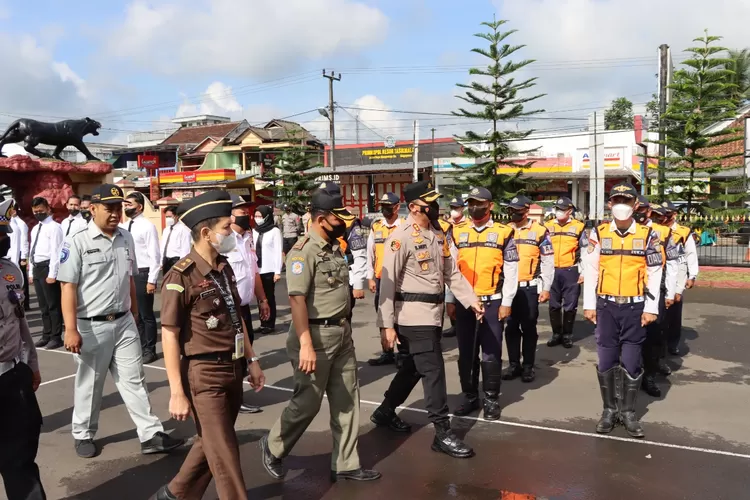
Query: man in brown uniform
[
  {"x": 416, "y": 267},
  {"x": 201, "y": 320}
]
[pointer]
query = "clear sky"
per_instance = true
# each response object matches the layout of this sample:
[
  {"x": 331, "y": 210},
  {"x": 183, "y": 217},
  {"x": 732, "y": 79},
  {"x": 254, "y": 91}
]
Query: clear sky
[{"x": 134, "y": 65}]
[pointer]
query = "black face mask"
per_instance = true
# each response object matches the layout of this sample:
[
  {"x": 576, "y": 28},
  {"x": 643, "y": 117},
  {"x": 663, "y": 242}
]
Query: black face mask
[
  {"x": 74, "y": 212},
  {"x": 639, "y": 217},
  {"x": 86, "y": 214},
  {"x": 4, "y": 246},
  {"x": 517, "y": 216},
  {"x": 336, "y": 231},
  {"x": 130, "y": 212},
  {"x": 243, "y": 221},
  {"x": 387, "y": 211},
  {"x": 42, "y": 216},
  {"x": 478, "y": 213},
  {"x": 432, "y": 211}
]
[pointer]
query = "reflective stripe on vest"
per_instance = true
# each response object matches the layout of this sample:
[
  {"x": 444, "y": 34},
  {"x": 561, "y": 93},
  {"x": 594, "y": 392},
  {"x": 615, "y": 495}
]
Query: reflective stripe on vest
[
  {"x": 381, "y": 232},
  {"x": 528, "y": 241},
  {"x": 622, "y": 263},
  {"x": 565, "y": 240},
  {"x": 664, "y": 234},
  {"x": 480, "y": 255}
]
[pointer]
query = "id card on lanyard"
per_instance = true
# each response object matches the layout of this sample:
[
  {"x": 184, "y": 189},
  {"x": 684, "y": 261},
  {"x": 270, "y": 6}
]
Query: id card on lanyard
[{"x": 226, "y": 294}]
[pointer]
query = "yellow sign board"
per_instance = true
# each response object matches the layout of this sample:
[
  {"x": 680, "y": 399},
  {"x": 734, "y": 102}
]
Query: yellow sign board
[{"x": 388, "y": 153}]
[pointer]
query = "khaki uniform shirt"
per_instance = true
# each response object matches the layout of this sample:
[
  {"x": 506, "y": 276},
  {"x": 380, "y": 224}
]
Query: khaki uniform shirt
[
  {"x": 290, "y": 225},
  {"x": 15, "y": 337},
  {"x": 190, "y": 296},
  {"x": 418, "y": 260},
  {"x": 318, "y": 270}
]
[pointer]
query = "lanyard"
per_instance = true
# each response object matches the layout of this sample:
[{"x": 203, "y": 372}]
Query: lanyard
[{"x": 226, "y": 294}]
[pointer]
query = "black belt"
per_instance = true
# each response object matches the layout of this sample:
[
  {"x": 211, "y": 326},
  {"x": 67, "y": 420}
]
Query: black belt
[
  {"x": 218, "y": 357},
  {"x": 429, "y": 298},
  {"x": 327, "y": 321},
  {"x": 41, "y": 263},
  {"x": 143, "y": 269},
  {"x": 106, "y": 317}
]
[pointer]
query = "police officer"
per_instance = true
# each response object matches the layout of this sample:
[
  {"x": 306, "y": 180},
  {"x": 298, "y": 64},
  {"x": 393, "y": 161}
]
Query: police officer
[
  {"x": 458, "y": 209},
  {"x": 623, "y": 257},
  {"x": 488, "y": 259},
  {"x": 416, "y": 267},
  {"x": 20, "y": 417},
  {"x": 379, "y": 232},
  {"x": 568, "y": 239},
  {"x": 536, "y": 270},
  {"x": 97, "y": 265},
  {"x": 320, "y": 344},
  {"x": 457, "y": 216},
  {"x": 655, "y": 339},
  {"x": 207, "y": 351},
  {"x": 356, "y": 244}
]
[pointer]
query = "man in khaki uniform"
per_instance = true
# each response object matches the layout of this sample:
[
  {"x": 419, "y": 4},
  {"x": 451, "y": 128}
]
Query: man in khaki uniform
[
  {"x": 320, "y": 345},
  {"x": 416, "y": 267}
]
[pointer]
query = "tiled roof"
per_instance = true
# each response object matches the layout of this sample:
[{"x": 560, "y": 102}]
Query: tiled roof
[
  {"x": 733, "y": 147},
  {"x": 196, "y": 135}
]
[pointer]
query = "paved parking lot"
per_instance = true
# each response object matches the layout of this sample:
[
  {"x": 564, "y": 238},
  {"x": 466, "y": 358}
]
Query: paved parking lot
[{"x": 697, "y": 435}]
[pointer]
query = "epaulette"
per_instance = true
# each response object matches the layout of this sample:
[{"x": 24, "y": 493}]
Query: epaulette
[
  {"x": 184, "y": 264},
  {"x": 301, "y": 243},
  {"x": 80, "y": 230}
]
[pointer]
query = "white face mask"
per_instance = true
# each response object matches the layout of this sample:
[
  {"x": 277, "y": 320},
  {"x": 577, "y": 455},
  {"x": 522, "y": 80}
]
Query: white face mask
[
  {"x": 169, "y": 221},
  {"x": 226, "y": 243},
  {"x": 621, "y": 211},
  {"x": 259, "y": 221},
  {"x": 561, "y": 214},
  {"x": 457, "y": 214}
]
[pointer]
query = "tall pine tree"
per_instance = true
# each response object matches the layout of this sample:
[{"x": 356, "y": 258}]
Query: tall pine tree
[
  {"x": 292, "y": 183},
  {"x": 497, "y": 98},
  {"x": 702, "y": 98}
]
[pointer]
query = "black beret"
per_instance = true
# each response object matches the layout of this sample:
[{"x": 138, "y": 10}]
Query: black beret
[{"x": 206, "y": 206}]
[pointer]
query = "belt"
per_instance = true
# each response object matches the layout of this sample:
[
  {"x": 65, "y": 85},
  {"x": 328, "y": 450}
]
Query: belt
[
  {"x": 488, "y": 298},
  {"x": 528, "y": 284},
  {"x": 106, "y": 317},
  {"x": 623, "y": 300},
  {"x": 218, "y": 357},
  {"x": 7, "y": 366},
  {"x": 327, "y": 321},
  {"x": 143, "y": 269},
  {"x": 429, "y": 298}
]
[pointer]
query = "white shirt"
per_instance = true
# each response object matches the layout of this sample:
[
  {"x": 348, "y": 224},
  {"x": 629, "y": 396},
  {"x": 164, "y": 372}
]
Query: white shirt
[
  {"x": 244, "y": 263},
  {"x": 180, "y": 242},
  {"x": 146, "y": 239},
  {"x": 19, "y": 241},
  {"x": 271, "y": 260},
  {"x": 371, "y": 246},
  {"x": 71, "y": 225},
  {"x": 48, "y": 246}
]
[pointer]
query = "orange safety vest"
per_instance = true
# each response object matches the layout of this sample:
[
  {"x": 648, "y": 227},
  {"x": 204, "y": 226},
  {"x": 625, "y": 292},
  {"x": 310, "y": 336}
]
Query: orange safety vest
[
  {"x": 622, "y": 262},
  {"x": 664, "y": 233},
  {"x": 527, "y": 241},
  {"x": 480, "y": 255},
  {"x": 682, "y": 233},
  {"x": 381, "y": 232},
  {"x": 565, "y": 240}
]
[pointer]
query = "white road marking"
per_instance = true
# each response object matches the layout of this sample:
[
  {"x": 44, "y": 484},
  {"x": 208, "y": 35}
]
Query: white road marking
[
  {"x": 522, "y": 425},
  {"x": 57, "y": 380}
]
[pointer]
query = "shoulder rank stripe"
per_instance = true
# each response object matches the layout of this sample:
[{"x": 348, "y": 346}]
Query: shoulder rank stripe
[{"x": 175, "y": 287}]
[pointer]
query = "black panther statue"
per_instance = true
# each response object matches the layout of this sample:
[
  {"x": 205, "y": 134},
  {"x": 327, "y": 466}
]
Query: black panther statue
[{"x": 60, "y": 134}]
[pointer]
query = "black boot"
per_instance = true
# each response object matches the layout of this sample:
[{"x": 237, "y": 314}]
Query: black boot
[
  {"x": 650, "y": 353},
  {"x": 469, "y": 387},
  {"x": 556, "y": 320},
  {"x": 664, "y": 368},
  {"x": 491, "y": 376},
  {"x": 385, "y": 358},
  {"x": 447, "y": 442},
  {"x": 513, "y": 371},
  {"x": 649, "y": 386},
  {"x": 569, "y": 319},
  {"x": 608, "y": 386},
  {"x": 628, "y": 398}
]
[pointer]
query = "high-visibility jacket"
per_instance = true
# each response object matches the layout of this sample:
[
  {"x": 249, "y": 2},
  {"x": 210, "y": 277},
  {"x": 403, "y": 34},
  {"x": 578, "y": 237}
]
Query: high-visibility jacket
[
  {"x": 481, "y": 255},
  {"x": 342, "y": 240},
  {"x": 566, "y": 241},
  {"x": 664, "y": 233},
  {"x": 381, "y": 232},
  {"x": 446, "y": 227},
  {"x": 528, "y": 242},
  {"x": 623, "y": 261},
  {"x": 682, "y": 233}
]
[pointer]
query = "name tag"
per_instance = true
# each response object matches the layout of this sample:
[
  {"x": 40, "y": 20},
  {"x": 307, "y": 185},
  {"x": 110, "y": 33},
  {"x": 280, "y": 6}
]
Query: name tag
[
  {"x": 239, "y": 346},
  {"x": 93, "y": 250}
]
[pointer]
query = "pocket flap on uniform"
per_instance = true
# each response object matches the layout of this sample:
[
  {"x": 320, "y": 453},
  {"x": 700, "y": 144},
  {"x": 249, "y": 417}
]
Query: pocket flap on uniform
[{"x": 94, "y": 258}]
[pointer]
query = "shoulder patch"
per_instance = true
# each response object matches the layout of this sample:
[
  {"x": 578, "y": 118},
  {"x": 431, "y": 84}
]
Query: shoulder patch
[
  {"x": 301, "y": 243},
  {"x": 395, "y": 245},
  {"x": 297, "y": 267},
  {"x": 64, "y": 254},
  {"x": 183, "y": 265},
  {"x": 175, "y": 287}
]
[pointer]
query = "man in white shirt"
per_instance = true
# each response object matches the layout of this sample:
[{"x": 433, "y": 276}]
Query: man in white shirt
[
  {"x": 19, "y": 249},
  {"x": 86, "y": 207},
  {"x": 74, "y": 221},
  {"x": 148, "y": 260},
  {"x": 176, "y": 241},
  {"x": 47, "y": 240}
]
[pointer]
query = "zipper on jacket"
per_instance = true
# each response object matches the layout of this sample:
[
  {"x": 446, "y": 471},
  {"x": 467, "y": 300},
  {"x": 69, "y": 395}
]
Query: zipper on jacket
[{"x": 619, "y": 285}]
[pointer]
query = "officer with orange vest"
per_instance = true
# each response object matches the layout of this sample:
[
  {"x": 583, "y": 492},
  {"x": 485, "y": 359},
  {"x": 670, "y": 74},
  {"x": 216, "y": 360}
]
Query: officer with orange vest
[
  {"x": 536, "y": 270},
  {"x": 623, "y": 258},
  {"x": 379, "y": 232},
  {"x": 488, "y": 259},
  {"x": 568, "y": 239}
]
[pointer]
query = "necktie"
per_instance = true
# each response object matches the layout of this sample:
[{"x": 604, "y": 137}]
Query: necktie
[
  {"x": 166, "y": 245},
  {"x": 130, "y": 226},
  {"x": 36, "y": 240},
  {"x": 70, "y": 224}
]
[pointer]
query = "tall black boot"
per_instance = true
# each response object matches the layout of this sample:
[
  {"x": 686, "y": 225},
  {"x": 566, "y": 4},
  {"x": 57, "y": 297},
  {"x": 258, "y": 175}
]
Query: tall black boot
[
  {"x": 447, "y": 442},
  {"x": 491, "y": 375},
  {"x": 650, "y": 353},
  {"x": 628, "y": 398},
  {"x": 556, "y": 320},
  {"x": 608, "y": 383},
  {"x": 569, "y": 320},
  {"x": 469, "y": 377}
]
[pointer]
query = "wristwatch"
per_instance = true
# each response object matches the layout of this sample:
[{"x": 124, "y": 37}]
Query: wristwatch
[
  {"x": 252, "y": 360},
  {"x": 262, "y": 301}
]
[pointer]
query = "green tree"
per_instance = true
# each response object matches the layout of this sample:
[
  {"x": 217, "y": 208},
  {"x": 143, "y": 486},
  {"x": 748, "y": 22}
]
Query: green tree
[
  {"x": 696, "y": 122},
  {"x": 496, "y": 97},
  {"x": 740, "y": 65},
  {"x": 620, "y": 115},
  {"x": 292, "y": 181}
]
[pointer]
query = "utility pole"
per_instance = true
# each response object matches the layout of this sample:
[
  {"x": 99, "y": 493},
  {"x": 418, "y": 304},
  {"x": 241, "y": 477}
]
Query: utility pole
[
  {"x": 595, "y": 167},
  {"x": 433, "y": 144},
  {"x": 356, "y": 121},
  {"x": 416, "y": 150},
  {"x": 663, "y": 76},
  {"x": 331, "y": 78}
]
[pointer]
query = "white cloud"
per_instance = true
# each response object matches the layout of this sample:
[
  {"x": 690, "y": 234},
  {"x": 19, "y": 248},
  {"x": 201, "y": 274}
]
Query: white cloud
[
  {"x": 239, "y": 37},
  {"x": 218, "y": 99},
  {"x": 68, "y": 75}
]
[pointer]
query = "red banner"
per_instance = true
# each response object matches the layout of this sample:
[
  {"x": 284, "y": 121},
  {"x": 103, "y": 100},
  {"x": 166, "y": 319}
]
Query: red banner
[
  {"x": 155, "y": 193},
  {"x": 189, "y": 177},
  {"x": 148, "y": 162}
]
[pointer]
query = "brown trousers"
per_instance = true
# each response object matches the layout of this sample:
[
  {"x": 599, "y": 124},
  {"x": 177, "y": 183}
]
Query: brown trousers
[{"x": 215, "y": 394}]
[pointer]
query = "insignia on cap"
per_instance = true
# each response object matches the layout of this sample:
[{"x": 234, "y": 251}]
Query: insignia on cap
[
  {"x": 560, "y": 201},
  {"x": 621, "y": 189},
  {"x": 454, "y": 200},
  {"x": 323, "y": 185},
  {"x": 384, "y": 198},
  {"x": 475, "y": 191},
  {"x": 114, "y": 191},
  {"x": 514, "y": 200},
  {"x": 665, "y": 204},
  {"x": 429, "y": 185}
]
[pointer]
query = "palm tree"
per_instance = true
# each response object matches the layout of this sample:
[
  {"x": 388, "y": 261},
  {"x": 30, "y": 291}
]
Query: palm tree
[{"x": 740, "y": 64}]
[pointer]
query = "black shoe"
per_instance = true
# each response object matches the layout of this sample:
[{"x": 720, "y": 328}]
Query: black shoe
[
  {"x": 149, "y": 357},
  {"x": 161, "y": 443},
  {"x": 555, "y": 340},
  {"x": 53, "y": 344},
  {"x": 250, "y": 409},
  {"x": 664, "y": 368},
  {"x": 356, "y": 475},
  {"x": 86, "y": 448},
  {"x": 469, "y": 405},
  {"x": 528, "y": 374},
  {"x": 567, "y": 341},
  {"x": 492, "y": 372},
  {"x": 42, "y": 342},
  {"x": 608, "y": 385},
  {"x": 447, "y": 442},
  {"x": 649, "y": 386},
  {"x": 628, "y": 399},
  {"x": 674, "y": 351},
  {"x": 274, "y": 466},
  {"x": 512, "y": 372},
  {"x": 385, "y": 417},
  {"x": 165, "y": 494},
  {"x": 450, "y": 332},
  {"x": 385, "y": 358},
  {"x": 491, "y": 406}
]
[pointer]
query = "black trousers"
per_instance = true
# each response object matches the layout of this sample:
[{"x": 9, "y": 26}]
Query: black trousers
[
  {"x": 20, "y": 426},
  {"x": 247, "y": 316},
  {"x": 25, "y": 271},
  {"x": 146, "y": 318},
  {"x": 674, "y": 324},
  {"x": 521, "y": 332},
  {"x": 270, "y": 288},
  {"x": 167, "y": 263},
  {"x": 423, "y": 359},
  {"x": 655, "y": 338},
  {"x": 48, "y": 296}
]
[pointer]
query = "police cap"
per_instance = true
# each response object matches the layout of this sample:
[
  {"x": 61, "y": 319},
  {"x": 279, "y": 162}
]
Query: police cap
[
  {"x": 206, "y": 206},
  {"x": 324, "y": 200},
  {"x": 5, "y": 208},
  {"x": 238, "y": 201},
  {"x": 519, "y": 202},
  {"x": 389, "y": 199},
  {"x": 108, "y": 194},
  {"x": 331, "y": 187},
  {"x": 564, "y": 203},
  {"x": 668, "y": 207},
  {"x": 643, "y": 201},
  {"x": 623, "y": 189},
  {"x": 480, "y": 194},
  {"x": 457, "y": 203},
  {"x": 423, "y": 190}
]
